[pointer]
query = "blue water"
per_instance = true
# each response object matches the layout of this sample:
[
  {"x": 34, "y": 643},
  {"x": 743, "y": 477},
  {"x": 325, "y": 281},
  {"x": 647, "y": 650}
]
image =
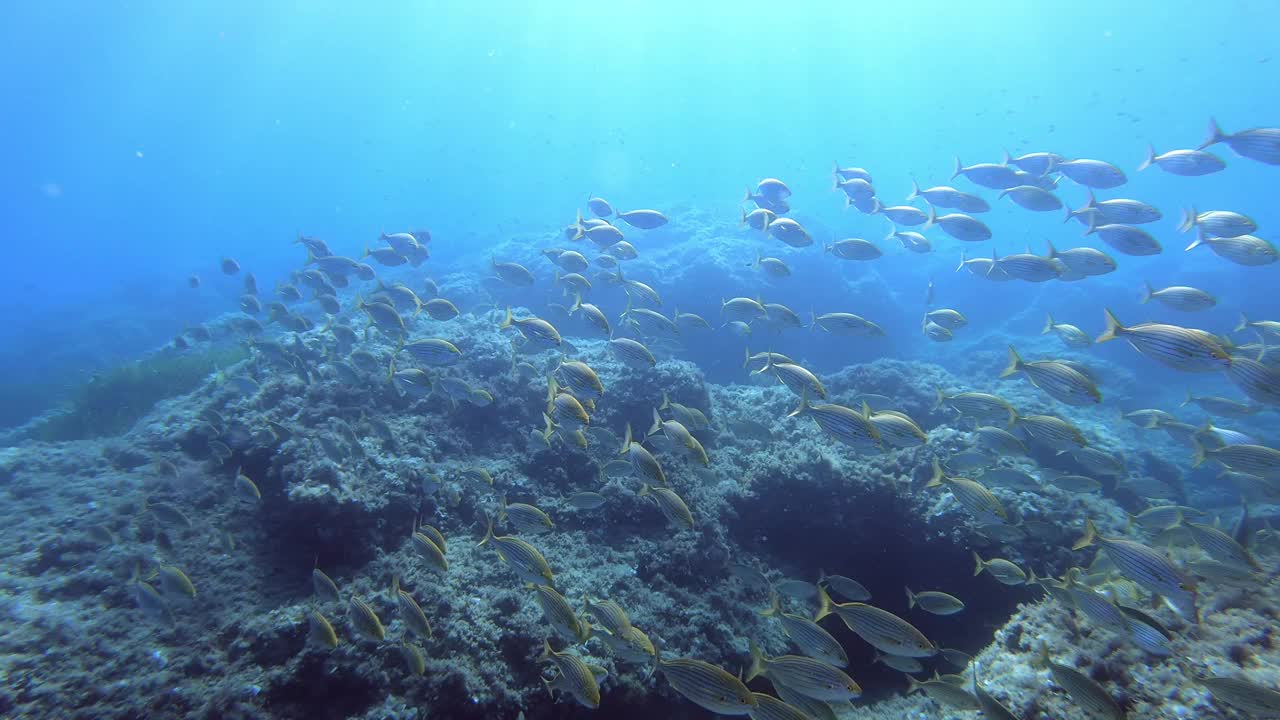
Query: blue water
[{"x": 143, "y": 141}]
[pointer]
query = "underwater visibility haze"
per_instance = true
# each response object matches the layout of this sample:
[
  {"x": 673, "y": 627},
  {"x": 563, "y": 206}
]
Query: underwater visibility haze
[{"x": 633, "y": 360}]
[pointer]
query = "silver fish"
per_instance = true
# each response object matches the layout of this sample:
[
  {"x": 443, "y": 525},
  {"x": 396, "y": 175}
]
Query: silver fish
[
  {"x": 1092, "y": 173},
  {"x": 990, "y": 175},
  {"x": 1180, "y": 348},
  {"x": 948, "y": 197},
  {"x": 1033, "y": 198},
  {"x": 1218, "y": 223},
  {"x": 1261, "y": 144},
  {"x": 1178, "y": 297},
  {"x": 959, "y": 226},
  {"x": 1188, "y": 163}
]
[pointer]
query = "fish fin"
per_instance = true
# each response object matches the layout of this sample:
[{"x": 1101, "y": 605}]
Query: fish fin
[
  {"x": 1188, "y": 219},
  {"x": 1243, "y": 324},
  {"x": 978, "y": 564},
  {"x": 757, "y": 662},
  {"x": 803, "y": 406},
  {"x": 959, "y": 169},
  {"x": 1202, "y": 238},
  {"x": 1048, "y": 325},
  {"x": 915, "y": 191},
  {"x": 775, "y": 606},
  {"x": 626, "y": 441},
  {"x": 1151, "y": 158},
  {"x": 1201, "y": 453},
  {"x": 1089, "y": 536},
  {"x": 936, "y": 479},
  {"x": 1215, "y": 135},
  {"x": 911, "y": 597},
  {"x": 1015, "y": 363},
  {"x": 1147, "y": 293},
  {"x": 824, "y": 603},
  {"x": 1114, "y": 328}
]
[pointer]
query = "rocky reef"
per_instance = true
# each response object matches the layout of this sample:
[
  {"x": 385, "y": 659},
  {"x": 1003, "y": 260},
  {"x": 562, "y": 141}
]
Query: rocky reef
[{"x": 347, "y": 464}]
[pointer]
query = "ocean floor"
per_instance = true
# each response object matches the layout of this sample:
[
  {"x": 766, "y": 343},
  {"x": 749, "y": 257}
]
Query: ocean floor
[{"x": 347, "y": 467}]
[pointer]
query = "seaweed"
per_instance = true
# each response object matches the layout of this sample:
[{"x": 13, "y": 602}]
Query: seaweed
[{"x": 112, "y": 401}]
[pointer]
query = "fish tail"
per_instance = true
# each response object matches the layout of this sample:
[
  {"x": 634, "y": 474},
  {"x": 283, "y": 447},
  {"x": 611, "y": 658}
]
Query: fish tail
[
  {"x": 1215, "y": 134},
  {"x": 1190, "y": 399},
  {"x": 757, "y": 663},
  {"x": 1114, "y": 328},
  {"x": 958, "y": 169},
  {"x": 488, "y": 533},
  {"x": 775, "y": 606},
  {"x": 824, "y": 603},
  {"x": 546, "y": 655},
  {"x": 1151, "y": 158},
  {"x": 803, "y": 407},
  {"x": 1201, "y": 239},
  {"x": 1188, "y": 219},
  {"x": 1090, "y": 535},
  {"x": 933, "y": 220},
  {"x": 964, "y": 257},
  {"x": 746, "y": 198},
  {"x": 847, "y": 202},
  {"x": 1015, "y": 362},
  {"x": 657, "y": 423},
  {"x": 912, "y": 684},
  {"x": 666, "y": 401},
  {"x": 940, "y": 399},
  {"x": 915, "y": 190},
  {"x": 978, "y": 564},
  {"x": 911, "y": 597},
  {"x": 645, "y": 490},
  {"x": 1147, "y": 292},
  {"x": 1093, "y": 223},
  {"x": 626, "y": 441},
  {"x": 1048, "y": 325},
  {"x": 1201, "y": 453},
  {"x": 1243, "y": 324},
  {"x": 506, "y": 322},
  {"x": 502, "y": 508},
  {"x": 936, "y": 479},
  {"x": 551, "y": 393}
]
